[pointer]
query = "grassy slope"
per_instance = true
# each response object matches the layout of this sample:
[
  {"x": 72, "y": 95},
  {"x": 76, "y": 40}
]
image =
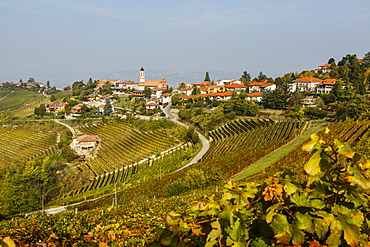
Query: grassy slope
[
  {"x": 277, "y": 154},
  {"x": 16, "y": 99}
]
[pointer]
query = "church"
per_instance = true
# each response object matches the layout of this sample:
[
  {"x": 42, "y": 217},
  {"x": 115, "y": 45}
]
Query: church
[{"x": 152, "y": 84}]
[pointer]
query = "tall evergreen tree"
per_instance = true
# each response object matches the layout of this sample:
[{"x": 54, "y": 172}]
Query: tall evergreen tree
[
  {"x": 108, "y": 109},
  {"x": 207, "y": 78}
]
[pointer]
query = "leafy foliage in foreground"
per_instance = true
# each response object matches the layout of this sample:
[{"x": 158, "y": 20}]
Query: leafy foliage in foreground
[{"x": 330, "y": 208}]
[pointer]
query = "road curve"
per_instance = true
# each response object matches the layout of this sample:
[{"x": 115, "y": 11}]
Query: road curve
[
  {"x": 69, "y": 127},
  {"x": 203, "y": 139}
]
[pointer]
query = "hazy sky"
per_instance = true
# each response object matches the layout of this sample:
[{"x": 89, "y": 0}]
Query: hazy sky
[{"x": 65, "y": 37}]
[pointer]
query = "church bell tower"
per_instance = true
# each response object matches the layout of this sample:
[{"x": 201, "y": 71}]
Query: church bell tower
[{"x": 142, "y": 75}]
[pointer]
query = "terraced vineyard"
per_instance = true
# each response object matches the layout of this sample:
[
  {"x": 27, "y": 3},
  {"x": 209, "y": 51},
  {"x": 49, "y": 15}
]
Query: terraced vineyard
[
  {"x": 146, "y": 169},
  {"x": 239, "y": 143},
  {"x": 124, "y": 151},
  {"x": 355, "y": 133},
  {"x": 18, "y": 144},
  {"x": 122, "y": 145}
]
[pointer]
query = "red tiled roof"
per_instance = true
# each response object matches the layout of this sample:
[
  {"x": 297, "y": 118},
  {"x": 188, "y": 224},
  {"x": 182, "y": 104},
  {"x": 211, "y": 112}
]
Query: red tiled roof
[
  {"x": 266, "y": 85},
  {"x": 308, "y": 79},
  {"x": 257, "y": 83},
  {"x": 205, "y": 83},
  {"x": 166, "y": 94},
  {"x": 255, "y": 94},
  {"x": 236, "y": 85}
]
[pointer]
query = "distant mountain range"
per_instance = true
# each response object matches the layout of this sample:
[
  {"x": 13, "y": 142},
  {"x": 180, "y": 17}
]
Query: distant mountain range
[{"x": 174, "y": 77}]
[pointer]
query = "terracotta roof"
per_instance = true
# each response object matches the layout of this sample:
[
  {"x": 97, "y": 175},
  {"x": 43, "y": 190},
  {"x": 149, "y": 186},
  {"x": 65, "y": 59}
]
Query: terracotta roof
[
  {"x": 236, "y": 85},
  {"x": 257, "y": 83},
  {"x": 153, "y": 83},
  {"x": 255, "y": 94},
  {"x": 330, "y": 81},
  {"x": 205, "y": 83},
  {"x": 58, "y": 104},
  {"x": 308, "y": 79},
  {"x": 86, "y": 138},
  {"x": 266, "y": 85},
  {"x": 166, "y": 94},
  {"x": 203, "y": 88}
]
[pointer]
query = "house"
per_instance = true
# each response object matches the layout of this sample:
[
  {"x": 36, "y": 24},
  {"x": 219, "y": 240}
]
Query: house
[
  {"x": 93, "y": 97},
  {"x": 165, "y": 98},
  {"x": 325, "y": 68},
  {"x": 216, "y": 89},
  {"x": 255, "y": 96},
  {"x": 139, "y": 94},
  {"x": 205, "y": 83},
  {"x": 186, "y": 91},
  {"x": 152, "y": 105},
  {"x": 235, "y": 87},
  {"x": 260, "y": 86},
  {"x": 220, "y": 96},
  {"x": 58, "y": 106},
  {"x": 107, "y": 96},
  {"x": 223, "y": 82},
  {"x": 326, "y": 86},
  {"x": 307, "y": 84},
  {"x": 80, "y": 108},
  {"x": 309, "y": 101},
  {"x": 123, "y": 86},
  {"x": 84, "y": 141}
]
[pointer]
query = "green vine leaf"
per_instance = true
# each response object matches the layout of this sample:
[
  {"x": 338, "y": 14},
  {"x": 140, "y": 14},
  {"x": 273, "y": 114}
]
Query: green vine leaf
[{"x": 344, "y": 149}]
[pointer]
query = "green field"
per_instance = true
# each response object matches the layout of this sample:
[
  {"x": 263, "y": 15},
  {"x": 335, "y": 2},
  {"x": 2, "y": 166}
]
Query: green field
[{"x": 14, "y": 99}]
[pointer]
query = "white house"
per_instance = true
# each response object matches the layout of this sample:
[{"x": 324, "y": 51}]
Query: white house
[
  {"x": 165, "y": 98},
  {"x": 255, "y": 96},
  {"x": 326, "y": 86},
  {"x": 260, "y": 86},
  {"x": 307, "y": 84},
  {"x": 150, "y": 105},
  {"x": 223, "y": 82},
  {"x": 84, "y": 141}
]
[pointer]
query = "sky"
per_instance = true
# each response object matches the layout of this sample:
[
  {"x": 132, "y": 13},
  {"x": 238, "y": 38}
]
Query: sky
[{"x": 74, "y": 38}]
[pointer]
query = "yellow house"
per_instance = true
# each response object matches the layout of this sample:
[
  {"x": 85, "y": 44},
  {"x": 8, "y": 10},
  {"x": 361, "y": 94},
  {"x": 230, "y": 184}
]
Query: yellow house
[{"x": 216, "y": 89}]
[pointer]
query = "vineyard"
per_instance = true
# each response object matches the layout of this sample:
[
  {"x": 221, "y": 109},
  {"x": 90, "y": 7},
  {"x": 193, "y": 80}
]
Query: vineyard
[
  {"x": 241, "y": 142},
  {"x": 124, "y": 151},
  {"x": 12, "y": 100},
  {"x": 133, "y": 223},
  {"x": 19, "y": 144},
  {"x": 355, "y": 133}
]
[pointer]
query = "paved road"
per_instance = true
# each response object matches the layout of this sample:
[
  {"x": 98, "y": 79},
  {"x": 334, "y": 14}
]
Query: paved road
[
  {"x": 205, "y": 143},
  {"x": 69, "y": 127}
]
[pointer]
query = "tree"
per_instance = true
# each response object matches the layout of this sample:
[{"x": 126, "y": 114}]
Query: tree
[
  {"x": 274, "y": 99},
  {"x": 147, "y": 92},
  {"x": 261, "y": 77},
  {"x": 48, "y": 84},
  {"x": 108, "y": 109},
  {"x": 175, "y": 100},
  {"x": 53, "y": 98},
  {"x": 195, "y": 91},
  {"x": 30, "y": 80},
  {"x": 207, "y": 78},
  {"x": 331, "y": 61},
  {"x": 246, "y": 76}
]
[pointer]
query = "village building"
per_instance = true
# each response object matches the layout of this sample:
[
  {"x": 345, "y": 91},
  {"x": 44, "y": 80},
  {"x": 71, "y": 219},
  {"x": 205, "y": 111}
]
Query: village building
[
  {"x": 165, "y": 98},
  {"x": 152, "y": 84},
  {"x": 84, "y": 141},
  {"x": 123, "y": 86},
  {"x": 326, "y": 86},
  {"x": 260, "y": 86},
  {"x": 325, "y": 68},
  {"x": 58, "y": 106},
  {"x": 255, "y": 96},
  {"x": 153, "y": 104},
  {"x": 235, "y": 87}
]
